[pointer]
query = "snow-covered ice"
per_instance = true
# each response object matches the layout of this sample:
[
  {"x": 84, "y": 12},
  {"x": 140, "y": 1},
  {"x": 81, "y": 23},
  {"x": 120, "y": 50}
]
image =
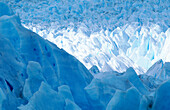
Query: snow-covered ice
[{"x": 35, "y": 74}]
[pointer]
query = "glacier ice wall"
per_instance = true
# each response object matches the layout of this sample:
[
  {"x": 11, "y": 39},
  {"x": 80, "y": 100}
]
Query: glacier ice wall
[
  {"x": 37, "y": 75},
  {"x": 120, "y": 33},
  {"x": 27, "y": 60}
]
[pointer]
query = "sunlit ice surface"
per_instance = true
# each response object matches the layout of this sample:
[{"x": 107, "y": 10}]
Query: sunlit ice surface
[{"x": 109, "y": 34}]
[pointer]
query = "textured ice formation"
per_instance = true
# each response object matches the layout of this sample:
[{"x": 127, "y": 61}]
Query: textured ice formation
[
  {"x": 104, "y": 85},
  {"x": 94, "y": 70},
  {"x": 37, "y": 75},
  {"x": 44, "y": 99},
  {"x": 47, "y": 99},
  {"x": 122, "y": 33},
  {"x": 159, "y": 70},
  {"x": 129, "y": 100},
  {"x": 34, "y": 80},
  {"x": 112, "y": 90},
  {"x": 27, "y": 60},
  {"x": 162, "y": 94}
]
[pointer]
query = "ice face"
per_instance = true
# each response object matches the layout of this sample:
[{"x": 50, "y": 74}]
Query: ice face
[{"x": 27, "y": 58}]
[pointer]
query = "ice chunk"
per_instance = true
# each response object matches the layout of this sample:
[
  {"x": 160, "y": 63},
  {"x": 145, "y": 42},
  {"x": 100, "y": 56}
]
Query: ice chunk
[
  {"x": 103, "y": 87},
  {"x": 156, "y": 74},
  {"x": 129, "y": 100},
  {"x": 135, "y": 81},
  {"x": 65, "y": 92},
  {"x": 99, "y": 94},
  {"x": 162, "y": 97},
  {"x": 34, "y": 70},
  {"x": 150, "y": 81},
  {"x": 94, "y": 69},
  {"x": 44, "y": 99},
  {"x": 157, "y": 70},
  {"x": 34, "y": 80},
  {"x": 71, "y": 106},
  {"x": 106, "y": 68}
]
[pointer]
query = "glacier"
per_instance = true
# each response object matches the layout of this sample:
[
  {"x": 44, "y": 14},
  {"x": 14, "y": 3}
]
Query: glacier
[
  {"x": 36, "y": 74},
  {"x": 27, "y": 60},
  {"x": 118, "y": 33}
]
